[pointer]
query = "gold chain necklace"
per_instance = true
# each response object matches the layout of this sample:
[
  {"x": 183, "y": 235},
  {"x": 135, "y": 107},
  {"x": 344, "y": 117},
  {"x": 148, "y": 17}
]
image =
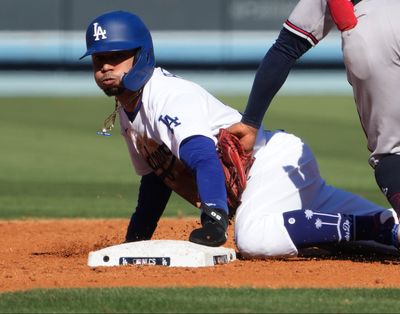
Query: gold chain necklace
[{"x": 109, "y": 122}]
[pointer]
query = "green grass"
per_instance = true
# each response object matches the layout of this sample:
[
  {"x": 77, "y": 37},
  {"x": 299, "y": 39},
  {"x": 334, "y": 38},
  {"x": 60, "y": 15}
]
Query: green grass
[
  {"x": 54, "y": 165},
  {"x": 201, "y": 300}
]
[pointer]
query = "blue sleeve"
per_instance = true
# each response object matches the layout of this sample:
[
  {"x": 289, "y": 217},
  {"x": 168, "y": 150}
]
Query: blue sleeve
[
  {"x": 152, "y": 200},
  {"x": 272, "y": 74},
  {"x": 200, "y": 155}
]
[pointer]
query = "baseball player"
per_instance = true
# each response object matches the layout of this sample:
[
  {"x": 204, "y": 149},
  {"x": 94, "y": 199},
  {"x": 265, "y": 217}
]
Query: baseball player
[
  {"x": 170, "y": 126},
  {"x": 371, "y": 49}
]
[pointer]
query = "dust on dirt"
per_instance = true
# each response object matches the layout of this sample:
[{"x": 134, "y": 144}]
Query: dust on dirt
[{"x": 53, "y": 254}]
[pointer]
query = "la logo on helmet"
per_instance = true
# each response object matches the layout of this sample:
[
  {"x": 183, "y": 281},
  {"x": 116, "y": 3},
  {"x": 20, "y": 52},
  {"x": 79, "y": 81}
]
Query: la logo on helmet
[{"x": 98, "y": 31}]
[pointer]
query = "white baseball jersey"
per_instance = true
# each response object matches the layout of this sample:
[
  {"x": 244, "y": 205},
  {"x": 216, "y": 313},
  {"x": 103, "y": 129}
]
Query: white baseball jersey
[
  {"x": 172, "y": 110},
  {"x": 284, "y": 176},
  {"x": 371, "y": 56}
]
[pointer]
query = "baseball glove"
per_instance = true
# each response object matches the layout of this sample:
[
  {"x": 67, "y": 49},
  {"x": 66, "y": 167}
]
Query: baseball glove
[{"x": 236, "y": 164}]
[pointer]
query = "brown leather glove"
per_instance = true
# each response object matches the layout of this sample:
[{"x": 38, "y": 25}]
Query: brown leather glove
[{"x": 236, "y": 164}]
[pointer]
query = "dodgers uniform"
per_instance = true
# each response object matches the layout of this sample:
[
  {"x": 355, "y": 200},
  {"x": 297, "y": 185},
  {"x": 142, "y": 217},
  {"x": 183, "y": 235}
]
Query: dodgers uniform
[{"x": 283, "y": 178}]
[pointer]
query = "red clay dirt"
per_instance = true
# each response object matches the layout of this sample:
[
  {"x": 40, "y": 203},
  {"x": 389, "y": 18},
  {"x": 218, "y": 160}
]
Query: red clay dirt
[{"x": 53, "y": 254}]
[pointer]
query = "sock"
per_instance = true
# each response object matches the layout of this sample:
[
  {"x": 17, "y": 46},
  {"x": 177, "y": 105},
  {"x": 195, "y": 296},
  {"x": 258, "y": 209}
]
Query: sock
[
  {"x": 394, "y": 200},
  {"x": 307, "y": 228},
  {"x": 369, "y": 228},
  {"x": 395, "y": 236},
  {"x": 387, "y": 175}
]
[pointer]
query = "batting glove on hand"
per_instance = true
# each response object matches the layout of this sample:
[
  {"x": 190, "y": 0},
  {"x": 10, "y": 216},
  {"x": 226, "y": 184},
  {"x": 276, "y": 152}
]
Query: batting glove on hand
[{"x": 214, "y": 223}]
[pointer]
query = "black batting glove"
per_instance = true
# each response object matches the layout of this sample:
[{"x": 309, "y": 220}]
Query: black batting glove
[{"x": 214, "y": 223}]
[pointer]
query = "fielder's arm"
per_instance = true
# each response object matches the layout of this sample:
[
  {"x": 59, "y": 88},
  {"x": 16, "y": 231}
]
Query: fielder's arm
[{"x": 270, "y": 76}]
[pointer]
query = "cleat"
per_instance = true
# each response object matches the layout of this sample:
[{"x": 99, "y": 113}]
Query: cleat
[
  {"x": 387, "y": 228},
  {"x": 388, "y": 214}
]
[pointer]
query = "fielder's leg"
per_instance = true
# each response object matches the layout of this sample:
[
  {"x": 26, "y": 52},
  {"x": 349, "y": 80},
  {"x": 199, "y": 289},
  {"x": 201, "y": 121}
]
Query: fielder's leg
[
  {"x": 371, "y": 54},
  {"x": 387, "y": 175}
]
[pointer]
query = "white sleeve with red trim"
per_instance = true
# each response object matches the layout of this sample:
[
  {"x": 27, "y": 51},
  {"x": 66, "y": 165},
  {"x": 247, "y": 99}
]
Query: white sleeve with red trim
[{"x": 311, "y": 20}]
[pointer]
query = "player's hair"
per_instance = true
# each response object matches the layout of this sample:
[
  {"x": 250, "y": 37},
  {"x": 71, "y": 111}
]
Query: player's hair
[{"x": 121, "y": 31}]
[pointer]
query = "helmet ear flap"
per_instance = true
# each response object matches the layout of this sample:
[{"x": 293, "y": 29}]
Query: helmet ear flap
[
  {"x": 121, "y": 31},
  {"x": 140, "y": 72}
]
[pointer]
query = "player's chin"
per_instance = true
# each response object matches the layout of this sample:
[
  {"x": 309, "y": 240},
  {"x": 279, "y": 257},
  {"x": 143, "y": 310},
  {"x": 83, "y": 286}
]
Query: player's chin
[{"x": 113, "y": 91}]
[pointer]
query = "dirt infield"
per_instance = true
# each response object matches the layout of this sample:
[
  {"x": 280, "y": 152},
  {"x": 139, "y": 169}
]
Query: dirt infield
[{"x": 53, "y": 254}]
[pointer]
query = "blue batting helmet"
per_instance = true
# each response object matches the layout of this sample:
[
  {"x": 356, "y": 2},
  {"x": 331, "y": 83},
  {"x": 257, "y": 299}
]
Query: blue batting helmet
[{"x": 120, "y": 31}]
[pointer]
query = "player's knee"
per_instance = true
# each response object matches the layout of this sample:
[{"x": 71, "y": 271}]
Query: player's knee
[
  {"x": 249, "y": 244},
  {"x": 264, "y": 237}
]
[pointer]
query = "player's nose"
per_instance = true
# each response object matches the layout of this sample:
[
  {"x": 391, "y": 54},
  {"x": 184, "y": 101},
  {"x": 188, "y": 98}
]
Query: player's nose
[{"x": 106, "y": 67}]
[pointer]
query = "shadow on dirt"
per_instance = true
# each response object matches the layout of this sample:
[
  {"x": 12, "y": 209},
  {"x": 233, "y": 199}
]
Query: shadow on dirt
[{"x": 359, "y": 253}]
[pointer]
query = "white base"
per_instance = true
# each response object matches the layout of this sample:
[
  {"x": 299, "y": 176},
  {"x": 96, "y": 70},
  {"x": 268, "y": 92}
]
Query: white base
[{"x": 173, "y": 253}]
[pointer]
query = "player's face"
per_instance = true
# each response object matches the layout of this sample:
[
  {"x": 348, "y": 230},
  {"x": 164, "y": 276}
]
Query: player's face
[{"x": 109, "y": 68}]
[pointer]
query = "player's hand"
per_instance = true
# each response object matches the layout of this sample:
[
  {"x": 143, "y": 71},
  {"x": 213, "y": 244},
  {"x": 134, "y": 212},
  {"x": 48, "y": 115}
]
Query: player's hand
[
  {"x": 213, "y": 232},
  {"x": 245, "y": 133}
]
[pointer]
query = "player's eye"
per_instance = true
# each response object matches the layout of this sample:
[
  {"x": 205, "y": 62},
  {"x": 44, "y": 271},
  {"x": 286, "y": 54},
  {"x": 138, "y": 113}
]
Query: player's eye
[
  {"x": 97, "y": 59},
  {"x": 121, "y": 56},
  {"x": 113, "y": 58}
]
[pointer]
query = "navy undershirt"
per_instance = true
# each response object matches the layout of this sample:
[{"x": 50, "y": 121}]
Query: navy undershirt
[
  {"x": 152, "y": 200},
  {"x": 272, "y": 73},
  {"x": 132, "y": 115}
]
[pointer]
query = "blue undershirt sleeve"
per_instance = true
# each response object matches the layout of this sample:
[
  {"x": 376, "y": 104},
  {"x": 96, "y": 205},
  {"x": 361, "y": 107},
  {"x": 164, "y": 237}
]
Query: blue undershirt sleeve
[
  {"x": 200, "y": 155},
  {"x": 152, "y": 200},
  {"x": 272, "y": 73}
]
